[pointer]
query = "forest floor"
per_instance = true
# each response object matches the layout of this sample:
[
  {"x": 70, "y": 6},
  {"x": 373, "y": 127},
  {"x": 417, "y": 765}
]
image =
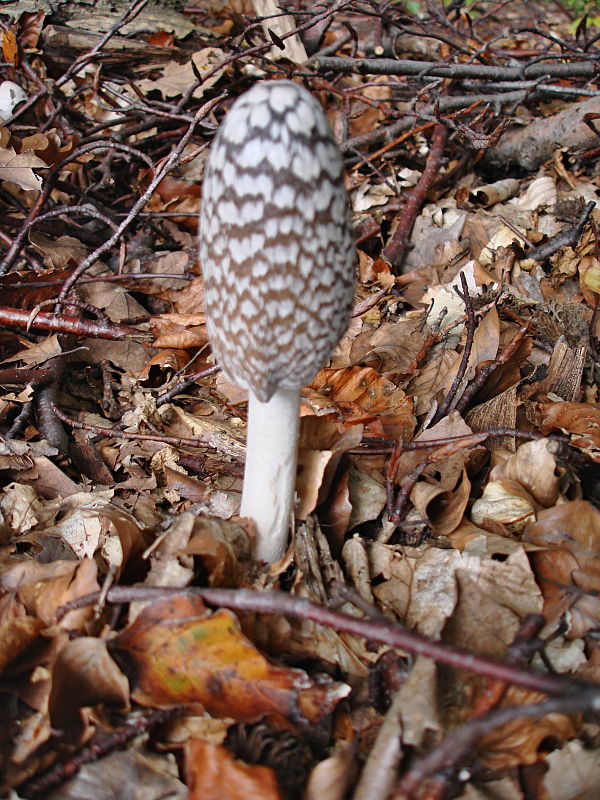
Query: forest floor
[{"x": 433, "y": 629}]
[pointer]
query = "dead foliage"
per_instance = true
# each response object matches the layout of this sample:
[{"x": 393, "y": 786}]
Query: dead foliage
[{"x": 433, "y": 630}]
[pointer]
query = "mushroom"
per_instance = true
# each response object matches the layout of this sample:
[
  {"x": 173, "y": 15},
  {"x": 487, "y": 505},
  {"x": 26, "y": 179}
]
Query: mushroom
[{"x": 278, "y": 258}]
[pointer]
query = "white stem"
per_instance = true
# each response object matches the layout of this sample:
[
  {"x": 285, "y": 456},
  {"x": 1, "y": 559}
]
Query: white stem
[{"x": 270, "y": 473}]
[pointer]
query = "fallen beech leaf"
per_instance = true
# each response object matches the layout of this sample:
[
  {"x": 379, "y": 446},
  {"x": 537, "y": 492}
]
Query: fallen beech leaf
[
  {"x": 185, "y": 654},
  {"x": 330, "y": 778},
  {"x": 180, "y": 331},
  {"x": 42, "y": 588},
  {"x": 444, "y": 510},
  {"x": 533, "y": 466},
  {"x": 580, "y": 420},
  {"x": 568, "y": 570},
  {"x": 60, "y": 252},
  {"x": 16, "y": 636},
  {"x": 320, "y": 449},
  {"x": 83, "y": 675},
  {"x": 130, "y": 774},
  {"x": 176, "y": 78},
  {"x": 212, "y": 773},
  {"x": 518, "y": 742},
  {"x": 505, "y": 502},
  {"x": 574, "y": 772},
  {"x": 19, "y": 169},
  {"x": 363, "y": 395}
]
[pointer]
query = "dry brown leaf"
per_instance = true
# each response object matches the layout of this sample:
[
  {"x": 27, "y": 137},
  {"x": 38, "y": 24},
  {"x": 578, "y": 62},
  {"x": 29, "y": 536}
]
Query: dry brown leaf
[
  {"x": 574, "y": 773},
  {"x": 83, "y": 675},
  {"x": 518, "y": 742},
  {"x": 212, "y": 773},
  {"x": 329, "y": 779},
  {"x": 18, "y": 169},
  {"x": 180, "y": 331},
  {"x": 364, "y": 396},
  {"x": 390, "y": 347},
  {"x": 183, "y": 654},
  {"x": 580, "y": 420},
  {"x": 141, "y": 775},
  {"x": 505, "y": 503},
  {"x": 177, "y": 78},
  {"x": 442, "y": 509},
  {"x": 43, "y": 588},
  {"x": 567, "y": 569},
  {"x": 60, "y": 252}
]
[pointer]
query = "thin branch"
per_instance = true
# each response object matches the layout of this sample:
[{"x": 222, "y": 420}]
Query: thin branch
[{"x": 389, "y": 633}]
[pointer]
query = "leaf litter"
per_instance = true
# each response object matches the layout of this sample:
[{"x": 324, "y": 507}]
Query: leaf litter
[{"x": 448, "y": 464}]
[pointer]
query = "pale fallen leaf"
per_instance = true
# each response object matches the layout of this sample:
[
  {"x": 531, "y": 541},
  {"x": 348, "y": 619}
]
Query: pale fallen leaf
[
  {"x": 573, "y": 774},
  {"x": 177, "y": 78},
  {"x": 18, "y": 169}
]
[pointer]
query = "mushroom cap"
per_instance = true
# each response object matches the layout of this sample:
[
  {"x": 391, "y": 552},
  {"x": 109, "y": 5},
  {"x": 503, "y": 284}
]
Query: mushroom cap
[{"x": 276, "y": 243}]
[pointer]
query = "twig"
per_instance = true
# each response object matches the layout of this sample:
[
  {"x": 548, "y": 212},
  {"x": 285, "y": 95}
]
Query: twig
[
  {"x": 464, "y": 361},
  {"x": 61, "y": 773},
  {"x": 568, "y": 237},
  {"x": 181, "y": 386},
  {"x": 384, "y": 632},
  {"x": 485, "y": 373},
  {"x": 458, "y": 743},
  {"x": 161, "y": 172},
  {"x": 396, "y": 248},
  {"x": 390, "y": 66},
  {"x": 66, "y": 324}
]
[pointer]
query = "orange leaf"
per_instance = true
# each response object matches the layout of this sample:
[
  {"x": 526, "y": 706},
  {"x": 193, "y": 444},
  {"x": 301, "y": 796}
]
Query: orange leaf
[
  {"x": 213, "y": 774},
  {"x": 581, "y": 420},
  {"x": 185, "y": 654},
  {"x": 10, "y": 49}
]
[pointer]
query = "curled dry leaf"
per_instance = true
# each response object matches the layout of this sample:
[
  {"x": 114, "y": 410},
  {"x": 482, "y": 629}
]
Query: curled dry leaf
[
  {"x": 493, "y": 193},
  {"x": 506, "y": 503},
  {"x": 219, "y": 543},
  {"x": 364, "y": 396},
  {"x": 442, "y": 509},
  {"x": 580, "y": 420},
  {"x": 533, "y": 466},
  {"x": 568, "y": 569},
  {"x": 184, "y": 654},
  {"x": 83, "y": 675},
  {"x": 518, "y": 742},
  {"x": 320, "y": 449}
]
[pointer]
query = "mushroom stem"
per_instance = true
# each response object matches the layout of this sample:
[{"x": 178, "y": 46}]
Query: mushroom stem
[{"x": 270, "y": 472}]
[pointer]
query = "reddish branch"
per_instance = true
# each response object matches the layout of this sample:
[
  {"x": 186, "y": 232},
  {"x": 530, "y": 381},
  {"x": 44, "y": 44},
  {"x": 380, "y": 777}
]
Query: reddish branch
[
  {"x": 21, "y": 377},
  {"x": 568, "y": 237},
  {"x": 64, "y": 324},
  {"x": 464, "y": 361},
  {"x": 388, "y": 633},
  {"x": 461, "y": 742},
  {"x": 396, "y": 248},
  {"x": 181, "y": 386},
  {"x": 485, "y": 373},
  {"x": 49, "y": 425}
]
